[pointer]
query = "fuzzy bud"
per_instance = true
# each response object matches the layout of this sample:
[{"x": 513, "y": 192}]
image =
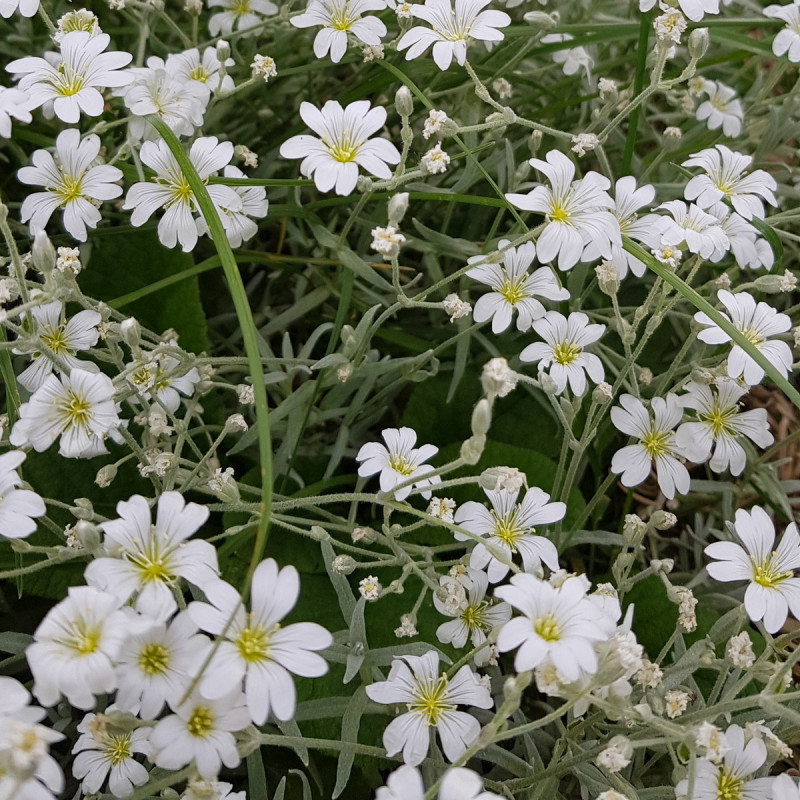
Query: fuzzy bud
[
  {"x": 549, "y": 386},
  {"x": 343, "y": 565},
  {"x": 539, "y": 20},
  {"x": 88, "y": 535},
  {"x": 83, "y": 509},
  {"x": 498, "y": 479},
  {"x": 130, "y": 332},
  {"x": 602, "y": 393},
  {"x": 607, "y": 278},
  {"x": 223, "y": 51},
  {"x": 472, "y": 449},
  {"x": 698, "y": 43},
  {"x": 482, "y": 417},
  {"x": 365, "y": 535},
  {"x": 398, "y": 205},
  {"x": 43, "y": 253},
  {"x": 497, "y": 378},
  {"x": 403, "y": 102},
  {"x": 106, "y": 475},
  {"x": 663, "y": 520}
]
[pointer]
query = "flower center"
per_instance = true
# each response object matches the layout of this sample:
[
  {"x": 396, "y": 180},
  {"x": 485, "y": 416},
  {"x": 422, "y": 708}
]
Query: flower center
[
  {"x": 430, "y": 700},
  {"x": 753, "y": 336},
  {"x": 507, "y": 530},
  {"x": 546, "y": 627},
  {"x": 69, "y": 82},
  {"x": 558, "y": 213},
  {"x": 118, "y": 749},
  {"x": 240, "y": 7},
  {"x": 656, "y": 444},
  {"x": 719, "y": 104},
  {"x": 77, "y": 410},
  {"x": 152, "y": 563},
  {"x": 56, "y": 340},
  {"x": 767, "y": 573},
  {"x": 199, "y": 73},
  {"x": 729, "y": 787},
  {"x": 84, "y": 639},
  {"x": 154, "y": 659},
  {"x": 181, "y": 192},
  {"x": 343, "y": 149},
  {"x": 69, "y": 190},
  {"x": 512, "y": 289},
  {"x": 201, "y": 723},
  {"x": 253, "y": 644},
  {"x": 340, "y": 16},
  {"x": 718, "y": 418},
  {"x": 401, "y": 465},
  {"x": 474, "y": 616},
  {"x": 566, "y": 352}
]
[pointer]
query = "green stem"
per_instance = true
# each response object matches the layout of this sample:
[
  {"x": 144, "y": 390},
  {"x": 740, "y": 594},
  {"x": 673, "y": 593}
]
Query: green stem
[
  {"x": 249, "y": 336},
  {"x": 638, "y": 86}
]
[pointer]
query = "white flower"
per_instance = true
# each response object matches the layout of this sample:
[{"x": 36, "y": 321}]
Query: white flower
[
  {"x": 563, "y": 354},
  {"x": 689, "y": 223},
  {"x": 783, "y": 787},
  {"x": 515, "y": 289},
  {"x": 338, "y": 18},
  {"x": 559, "y": 626},
  {"x": 63, "y": 337},
  {"x": 244, "y": 15},
  {"x": 79, "y": 20},
  {"x": 171, "y": 190},
  {"x": 772, "y": 589},
  {"x": 146, "y": 559},
  {"x": 399, "y": 462},
  {"x": 159, "y": 379},
  {"x": 344, "y": 145},
  {"x": 669, "y": 26},
  {"x": 435, "y": 161},
  {"x": 179, "y": 103},
  {"x": 452, "y": 28},
  {"x": 442, "y": 508},
  {"x": 264, "y": 67},
  {"x": 405, "y": 783},
  {"x": 200, "y": 732},
  {"x": 583, "y": 142},
  {"x": 723, "y": 109},
  {"x": 503, "y": 88},
  {"x": 740, "y": 650},
  {"x": 498, "y": 379},
  {"x": 18, "y": 507},
  {"x": 72, "y": 184},
  {"x": 720, "y": 425},
  {"x": 455, "y": 307},
  {"x": 203, "y": 73},
  {"x": 79, "y": 408},
  {"x": 748, "y": 249},
  {"x": 628, "y": 200},
  {"x": 107, "y": 752},
  {"x": 757, "y": 322},
  {"x": 676, "y": 701},
  {"x": 256, "y": 648},
  {"x": 787, "y": 40},
  {"x": 732, "y": 777},
  {"x": 13, "y": 103},
  {"x": 431, "y": 700},
  {"x": 26, "y": 8},
  {"x": 727, "y": 177},
  {"x": 572, "y": 59},
  {"x": 75, "y": 646},
  {"x": 434, "y": 123},
  {"x": 27, "y": 770},
  {"x": 239, "y": 228},
  {"x": 576, "y": 212},
  {"x": 475, "y": 619},
  {"x": 694, "y": 9},
  {"x": 155, "y": 665},
  {"x": 369, "y": 588},
  {"x": 211, "y": 790},
  {"x": 387, "y": 241},
  {"x": 509, "y": 528},
  {"x": 656, "y": 443},
  {"x": 69, "y": 82}
]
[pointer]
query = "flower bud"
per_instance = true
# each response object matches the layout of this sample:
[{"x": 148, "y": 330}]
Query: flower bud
[
  {"x": 602, "y": 393},
  {"x": 663, "y": 520},
  {"x": 472, "y": 449},
  {"x": 82, "y": 509},
  {"x": 498, "y": 479},
  {"x": 539, "y": 20},
  {"x": 343, "y": 565},
  {"x": 398, "y": 205},
  {"x": 130, "y": 332},
  {"x": 497, "y": 378},
  {"x": 607, "y": 278},
  {"x": 365, "y": 535},
  {"x": 43, "y": 253},
  {"x": 87, "y": 534},
  {"x": 105, "y": 475},
  {"x": 698, "y": 43},
  {"x": 403, "y": 102},
  {"x": 535, "y": 142},
  {"x": 769, "y": 284},
  {"x": 319, "y": 534},
  {"x": 223, "y": 51},
  {"x": 482, "y": 417}
]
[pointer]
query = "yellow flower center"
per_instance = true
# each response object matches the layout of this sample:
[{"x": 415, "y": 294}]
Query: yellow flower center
[
  {"x": 199, "y": 73},
  {"x": 118, "y": 749},
  {"x": 69, "y": 190},
  {"x": 431, "y": 701},
  {"x": 241, "y": 7},
  {"x": 766, "y": 573},
  {"x": 512, "y": 289},
  {"x": 718, "y": 418},
  {"x": 753, "y": 336},
  {"x": 253, "y": 644},
  {"x": 56, "y": 340},
  {"x": 68, "y": 82},
  {"x": 344, "y": 149},
  {"x": 558, "y": 214},
  {"x": 566, "y": 352},
  {"x": 154, "y": 659},
  {"x": 84, "y": 640},
  {"x": 401, "y": 465},
  {"x": 507, "y": 530},
  {"x": 546, "y": 627},
  {"x": 341, "y": 18},
  {"x": 729, "y": 787},
  {"x": 181, "y": 192},
  {"x": 76, "y": 410},
  {"x": 201, "y": 722},
  {"x": 656, "y": 444},
  {"x": 474, "y": 616}
]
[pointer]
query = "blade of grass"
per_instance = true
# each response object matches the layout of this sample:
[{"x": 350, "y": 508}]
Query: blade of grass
[
  {"x": 701, "y": 304},
  {"x": 638, "y": 86},
  {"x": 249, "y": 336},
  {"x": 9, "y": 380}
]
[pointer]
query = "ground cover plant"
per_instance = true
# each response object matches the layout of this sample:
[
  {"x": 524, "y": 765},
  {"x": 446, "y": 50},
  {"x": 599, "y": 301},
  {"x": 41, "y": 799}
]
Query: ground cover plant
[{"x": 399, "y": 400}]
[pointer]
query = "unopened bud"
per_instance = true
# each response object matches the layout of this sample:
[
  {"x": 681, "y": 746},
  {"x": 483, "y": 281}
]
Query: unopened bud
[
  {"x": 130, "y": 332},
  {"x": 87, "y": 534},
  {"x": 398, "y": 205},
  {"x": 365, "y": 535},
  {"x": 404, "y": 102},
  {"x": 535, "y": 142},
  {"x": 223, "y": 51},
  {"x": 43, "y": 253},
  {"x": 540, "y": 20},
  {"x": 320, "y": 534},
  {"x": 482, "y": 417},
  {"x": 343, "y": 565},
  {"x": 663, "y": 520},
  {"x": 698, "y": 43},
  {"x": 602, "y": 393},
  {"x": 472, "y": 449},
  {"x": 106, "y": 475},
  {"x": 498, "y": 479},
  {"x": 83, "y": 508},
  {"x": 769, "y": 284}
]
